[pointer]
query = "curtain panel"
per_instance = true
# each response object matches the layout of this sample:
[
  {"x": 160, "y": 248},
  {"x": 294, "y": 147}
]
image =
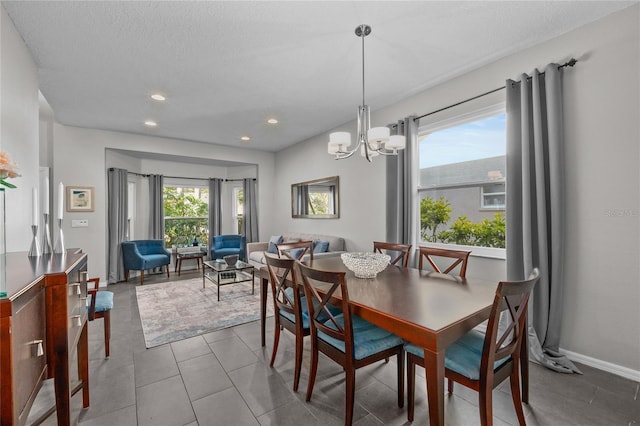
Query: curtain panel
[
  {"x": 250, "y": 220},
  {"x": 156, "y": 208},
  {"x": 535, "y": 205},
  {"x": 215, "y": 210},
  {"x": 401, "y": 217},
  {"x": 117, "y": 222}
]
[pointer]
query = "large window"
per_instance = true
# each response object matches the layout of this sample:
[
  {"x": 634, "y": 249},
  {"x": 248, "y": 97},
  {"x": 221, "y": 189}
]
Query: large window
[
  {"x": 185, "y": 215},
  {"x": 461, "y": 182}
]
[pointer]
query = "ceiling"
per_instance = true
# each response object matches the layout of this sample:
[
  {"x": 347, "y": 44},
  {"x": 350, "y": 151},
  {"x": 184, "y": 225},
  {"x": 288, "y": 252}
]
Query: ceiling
[{"x": 227, "y": 66}]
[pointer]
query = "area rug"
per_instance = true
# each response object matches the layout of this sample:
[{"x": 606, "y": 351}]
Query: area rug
[{"x": 177, "y": 310}]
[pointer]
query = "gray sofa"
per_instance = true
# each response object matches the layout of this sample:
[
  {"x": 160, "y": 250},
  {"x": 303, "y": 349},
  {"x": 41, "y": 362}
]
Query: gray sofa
[{"x": 255, "y": 251}]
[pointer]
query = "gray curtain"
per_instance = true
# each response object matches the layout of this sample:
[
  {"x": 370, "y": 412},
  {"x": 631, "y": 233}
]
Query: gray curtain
[
  {"x": 400, "y": 185},
  {"x": 156, "y": 208},
  {"x": 117, "y": 224},
  {"x": 215, "y": 209},
  {"x": 250, "y": 220},
  {"x": 535, "y": 205}
]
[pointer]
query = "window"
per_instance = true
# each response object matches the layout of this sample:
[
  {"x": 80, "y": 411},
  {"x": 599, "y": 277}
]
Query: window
[
  {"x": 131, "y": 206},
  {"x": 185, "y": 215},
  {"x": 238, "y": 208},
  {"x": 462, "y": 179}
]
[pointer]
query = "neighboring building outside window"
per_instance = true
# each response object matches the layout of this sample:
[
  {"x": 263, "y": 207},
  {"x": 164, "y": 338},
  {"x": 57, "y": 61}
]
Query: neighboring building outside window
[
  {"x": 185, "y": 215},
  {"x": 238, "y": 208},
  {"x": 462, "y": 181}
]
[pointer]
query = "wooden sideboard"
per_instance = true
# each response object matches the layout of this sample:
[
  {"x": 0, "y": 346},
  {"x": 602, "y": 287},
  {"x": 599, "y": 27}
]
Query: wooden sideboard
[{"x": 42, "y": 320}]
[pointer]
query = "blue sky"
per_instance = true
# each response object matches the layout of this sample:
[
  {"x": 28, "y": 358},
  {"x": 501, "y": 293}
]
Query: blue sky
[{"x": 470, "y": 141}]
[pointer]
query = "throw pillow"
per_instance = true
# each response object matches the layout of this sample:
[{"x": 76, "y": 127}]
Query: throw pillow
[
  {"x": 276, "y": 239},
  {"x": 320, "y": 246},
  {"x": 294, "y": 253}
]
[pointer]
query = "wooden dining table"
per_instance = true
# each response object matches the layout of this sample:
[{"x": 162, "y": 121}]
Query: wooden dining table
[{"x": 428, "y": 309}]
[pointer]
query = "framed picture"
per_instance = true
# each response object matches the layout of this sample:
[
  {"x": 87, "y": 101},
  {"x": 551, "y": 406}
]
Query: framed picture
[{"x": 80, "y": 198}]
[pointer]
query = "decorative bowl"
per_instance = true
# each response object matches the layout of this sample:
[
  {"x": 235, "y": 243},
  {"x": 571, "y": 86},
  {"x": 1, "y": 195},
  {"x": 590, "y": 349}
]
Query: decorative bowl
[
  {"x": 231, "y": 259},
  {"x": 365, "y": 264}
]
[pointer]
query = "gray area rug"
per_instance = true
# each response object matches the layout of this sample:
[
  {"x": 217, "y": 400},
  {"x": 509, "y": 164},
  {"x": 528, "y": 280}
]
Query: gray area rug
[{"x": 177, "y": 310}]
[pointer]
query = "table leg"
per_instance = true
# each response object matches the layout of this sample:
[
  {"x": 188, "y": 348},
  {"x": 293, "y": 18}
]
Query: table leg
[
  {"x": 83, "y": 364},
  {"x": 434, "y": 370},
  {"x": 263, "y": 308}
]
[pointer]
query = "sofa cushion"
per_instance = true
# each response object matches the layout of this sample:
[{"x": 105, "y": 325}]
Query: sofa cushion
[
  {"x": 320, "y": 246},
  {"x": 275, "y": 239}
]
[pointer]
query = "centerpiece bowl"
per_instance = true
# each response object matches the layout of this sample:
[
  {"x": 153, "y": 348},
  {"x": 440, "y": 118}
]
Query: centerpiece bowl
[
  {"x": 231, "y": 259},
  {"x": 365, "y": 264}
]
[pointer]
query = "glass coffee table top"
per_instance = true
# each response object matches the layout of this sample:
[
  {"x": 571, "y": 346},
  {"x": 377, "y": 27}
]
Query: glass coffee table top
[{"x": 220, "y": 265}]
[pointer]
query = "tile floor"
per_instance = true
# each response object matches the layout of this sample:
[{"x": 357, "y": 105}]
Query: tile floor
[{"x": 224, "y": 378}]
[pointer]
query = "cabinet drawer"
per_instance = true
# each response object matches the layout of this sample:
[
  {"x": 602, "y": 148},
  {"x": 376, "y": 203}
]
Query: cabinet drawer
[
  {"x": 28, "y": 342},
  {"x": 76, "y": 306}
]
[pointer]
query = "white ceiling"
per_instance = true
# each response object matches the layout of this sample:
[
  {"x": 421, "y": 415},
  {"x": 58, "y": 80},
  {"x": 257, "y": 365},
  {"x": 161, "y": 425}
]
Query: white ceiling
[{"x": 227, "y": 66}]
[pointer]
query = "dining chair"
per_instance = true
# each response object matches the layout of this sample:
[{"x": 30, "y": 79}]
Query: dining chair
[
  {"x": 402, "y": 252},
  {"x": 99, "y": 305},
  {"x": 434, "y": 253},
  {"x": 345, "y": 338},
  {"x": 288, "y": 307},
  {"x": 295, "y": 250},
  {"x": 483, "y": 361}
]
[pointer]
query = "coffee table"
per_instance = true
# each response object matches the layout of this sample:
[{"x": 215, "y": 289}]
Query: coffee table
[{"x": 219, "y": 273}]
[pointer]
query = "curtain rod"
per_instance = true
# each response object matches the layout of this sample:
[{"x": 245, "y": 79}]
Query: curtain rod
[
  {"x": 181, "y": 177},
  {"x": 571, "y": 62}
]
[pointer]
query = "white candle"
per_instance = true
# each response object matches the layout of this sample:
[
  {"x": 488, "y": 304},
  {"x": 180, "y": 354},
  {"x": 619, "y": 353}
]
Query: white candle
[
  {"x": 34, "y": 216},
  {"x": 45, "y": 196},
  {"x": 60, "y": 200}
]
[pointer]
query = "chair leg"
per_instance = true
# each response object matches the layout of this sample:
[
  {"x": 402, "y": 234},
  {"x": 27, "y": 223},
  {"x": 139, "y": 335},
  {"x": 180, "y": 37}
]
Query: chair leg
[
  {"x": 126, "y": 275},
  {"x": 107, "y": 332},
  {"x": 450, "y": 385},
  {"x": 313, "y": 370},
  {"x": 299, "y": 349},
  {"x": 276, "y": 340},
  {"x": 168, "y": 272},
  {"x": 141, "y": 277},
  {"x": 351, "y": 395},
  {"x": 515, "y": 393},
  {"x": 486, "y": 406},
  {"x": 411, "y": 386},
  {"x": 400, "y": 362}
]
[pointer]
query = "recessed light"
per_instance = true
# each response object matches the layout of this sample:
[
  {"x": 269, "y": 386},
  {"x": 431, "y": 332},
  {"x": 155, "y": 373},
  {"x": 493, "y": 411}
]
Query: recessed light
[
  {"x": 272, "y": 121},
  {"x": 245, "y": 138},
  {"x": 158, "y": 97},
  {"x": 150, "y": 123}
]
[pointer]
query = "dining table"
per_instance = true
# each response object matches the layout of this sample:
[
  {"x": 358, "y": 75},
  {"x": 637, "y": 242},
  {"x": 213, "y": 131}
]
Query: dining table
[{"x": 428, "y": 309}]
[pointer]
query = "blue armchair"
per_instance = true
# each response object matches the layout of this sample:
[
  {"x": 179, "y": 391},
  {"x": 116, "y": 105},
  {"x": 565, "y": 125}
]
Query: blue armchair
[
  {"x": 224, "y": 245},
  {"x": 140, "y": 255}
]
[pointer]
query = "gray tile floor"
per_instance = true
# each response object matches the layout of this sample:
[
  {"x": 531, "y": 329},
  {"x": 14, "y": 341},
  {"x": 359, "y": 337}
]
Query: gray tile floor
[{"x": 224, "y": 378}]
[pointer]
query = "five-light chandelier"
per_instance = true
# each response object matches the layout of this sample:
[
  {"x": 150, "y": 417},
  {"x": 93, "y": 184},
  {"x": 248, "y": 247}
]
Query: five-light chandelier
[{"x": 370, "y": 141}]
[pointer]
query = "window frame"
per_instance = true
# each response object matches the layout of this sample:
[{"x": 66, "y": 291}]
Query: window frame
[
  {"x": 453, "y": 120},
  {"x": 235, "y": 189},
  {"x": 183, "y": 183}
]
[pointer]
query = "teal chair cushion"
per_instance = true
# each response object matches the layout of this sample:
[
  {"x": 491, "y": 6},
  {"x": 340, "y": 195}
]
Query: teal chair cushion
[
  {"x": 104, "y": 301},
  {"x": 305, "y": 309},
  {"x": 368, "y": 339},
  {"x": 463, "y": 356}
]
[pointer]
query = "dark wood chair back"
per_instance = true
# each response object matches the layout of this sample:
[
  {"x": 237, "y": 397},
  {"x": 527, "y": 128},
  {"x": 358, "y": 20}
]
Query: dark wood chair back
[
  {"x": 289, "y": 249},
  {"x": 399, "y": 253},
  {"x": 282, "y": 276},
  {"x": 334, "y": 286},
  {"x": 431, "y": 253}
]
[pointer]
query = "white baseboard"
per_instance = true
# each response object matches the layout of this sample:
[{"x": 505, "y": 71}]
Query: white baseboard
[{"x": 609, "y": 367}]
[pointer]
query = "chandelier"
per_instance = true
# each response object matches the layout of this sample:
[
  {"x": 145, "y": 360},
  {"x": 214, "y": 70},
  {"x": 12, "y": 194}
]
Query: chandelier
[{"x": 370, "y": 141}]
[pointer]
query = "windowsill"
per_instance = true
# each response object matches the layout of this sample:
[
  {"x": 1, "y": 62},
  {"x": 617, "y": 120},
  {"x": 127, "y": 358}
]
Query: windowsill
[{"x": 484, "y": 252}]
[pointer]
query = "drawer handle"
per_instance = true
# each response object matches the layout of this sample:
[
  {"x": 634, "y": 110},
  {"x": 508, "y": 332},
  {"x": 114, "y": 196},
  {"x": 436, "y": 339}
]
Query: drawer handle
[
  {"x": 77, "y": 286},
  {"x": 38, "y": 350},
  {"x": 83, "y": 276},
  {"x": 76, "y": 320}
]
